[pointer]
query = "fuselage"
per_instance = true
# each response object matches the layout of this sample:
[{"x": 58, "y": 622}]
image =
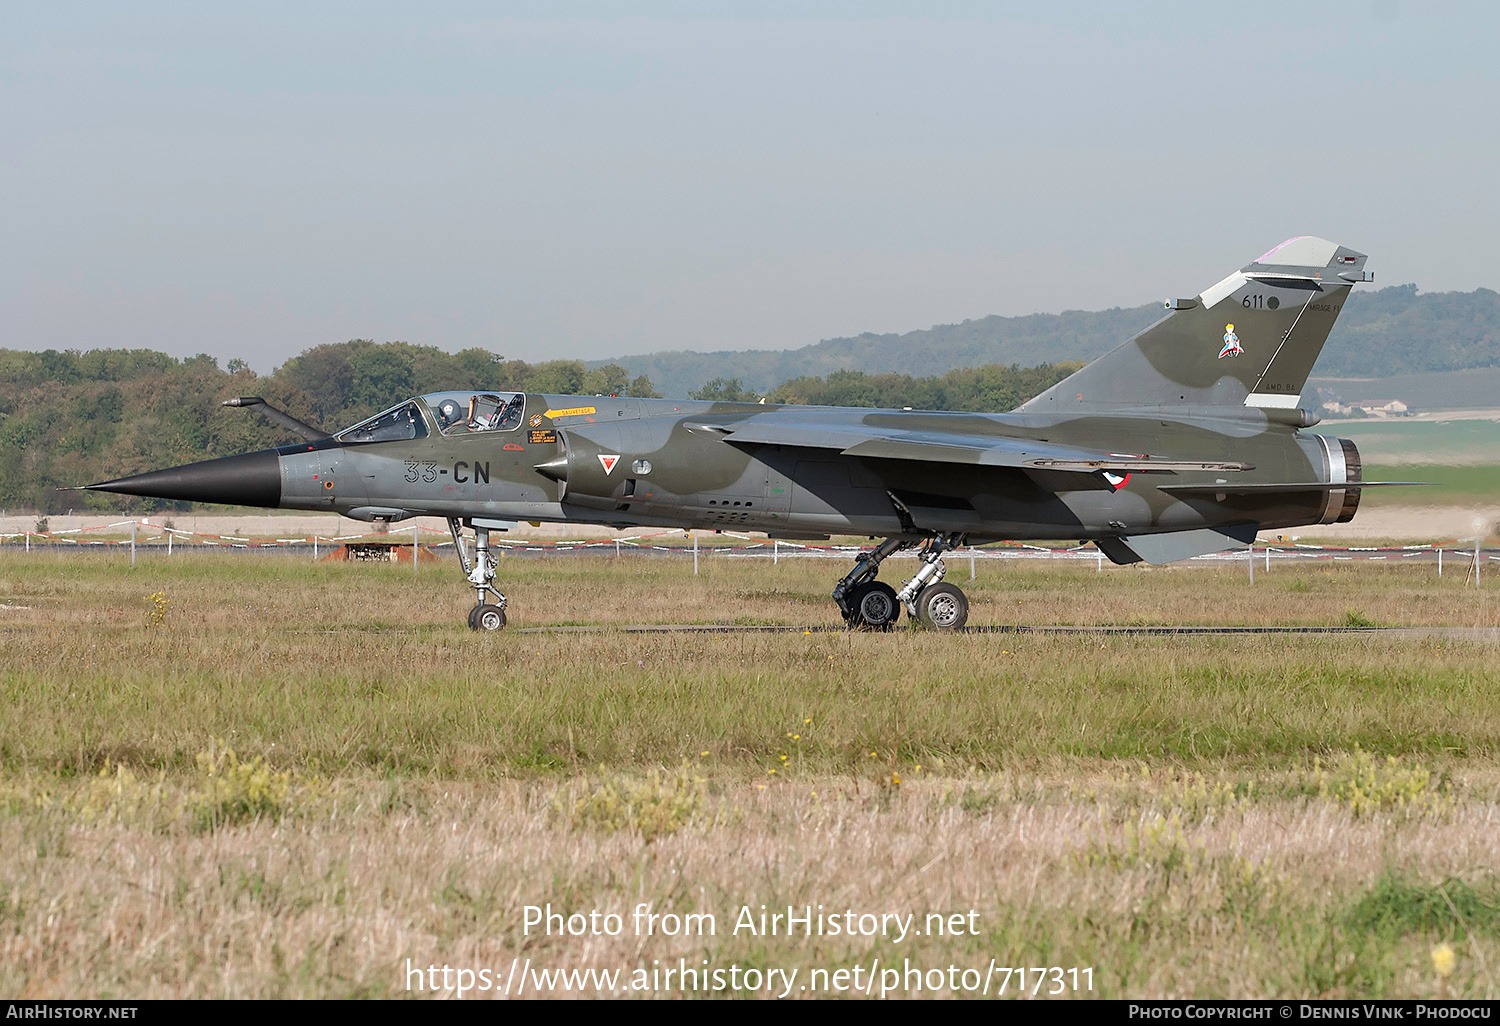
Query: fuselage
[{"x": 628, "y": 462}]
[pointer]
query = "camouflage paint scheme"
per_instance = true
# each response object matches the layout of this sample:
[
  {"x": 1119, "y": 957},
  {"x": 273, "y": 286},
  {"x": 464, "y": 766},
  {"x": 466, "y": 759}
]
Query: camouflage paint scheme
[
  {"x": 701, "y": 477},
  {"x": 1185, "y": 439}
]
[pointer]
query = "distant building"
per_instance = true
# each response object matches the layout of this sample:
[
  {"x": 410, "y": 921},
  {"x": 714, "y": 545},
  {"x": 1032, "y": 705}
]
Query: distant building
[
  {"x": 1381, "y": 407},
  {"x": 1330, "y": 403}
]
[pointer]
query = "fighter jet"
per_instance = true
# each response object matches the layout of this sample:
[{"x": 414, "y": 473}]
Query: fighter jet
[{"x": 1185, "y": 440}]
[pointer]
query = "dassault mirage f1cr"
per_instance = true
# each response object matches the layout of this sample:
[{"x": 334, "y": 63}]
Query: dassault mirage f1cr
[{"x": 1185, "y": 440}]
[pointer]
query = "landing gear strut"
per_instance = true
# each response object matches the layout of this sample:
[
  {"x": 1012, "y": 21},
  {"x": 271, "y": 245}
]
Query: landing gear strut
[
  {"x": 863, "y": 600},
  {"x": 480, "y": 571},
  {"x": 940, "y": 606},
  {"x": 870, "y": 604}
]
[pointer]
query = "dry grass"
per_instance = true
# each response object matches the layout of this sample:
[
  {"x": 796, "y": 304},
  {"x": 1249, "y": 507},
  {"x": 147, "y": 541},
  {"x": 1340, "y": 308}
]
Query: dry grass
[
  {"x": 1243, "y": 816},
  {"x": 1264, "y": 898}
]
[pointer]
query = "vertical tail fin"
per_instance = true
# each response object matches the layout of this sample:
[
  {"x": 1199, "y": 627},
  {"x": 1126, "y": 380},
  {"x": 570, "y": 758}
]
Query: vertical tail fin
[{"x": 1250, "y": 340}]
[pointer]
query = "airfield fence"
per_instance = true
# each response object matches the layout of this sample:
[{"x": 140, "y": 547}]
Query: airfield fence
[{"x": 158, "y": 539}]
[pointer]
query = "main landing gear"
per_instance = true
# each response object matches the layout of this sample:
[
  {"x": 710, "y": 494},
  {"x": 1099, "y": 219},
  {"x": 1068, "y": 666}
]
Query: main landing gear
[
  {"x": 869, "y": 604},
  {"x": 480, "y": 571}
]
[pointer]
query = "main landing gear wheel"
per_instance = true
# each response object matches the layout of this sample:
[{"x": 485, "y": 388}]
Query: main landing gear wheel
[
  {"x": 486, "y": 618},
  {"x": 862, "y": 600},
  {"x": 943, "y": 607},
  {"x": 873, "y": 605},
  {"x": 934, "y": 604}
]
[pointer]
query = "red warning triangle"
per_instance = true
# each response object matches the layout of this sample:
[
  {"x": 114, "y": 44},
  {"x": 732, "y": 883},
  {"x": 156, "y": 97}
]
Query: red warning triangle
[{"x": 608, "y": 462}]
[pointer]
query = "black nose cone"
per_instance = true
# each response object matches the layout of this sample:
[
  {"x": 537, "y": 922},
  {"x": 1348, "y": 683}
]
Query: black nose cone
[{"x": 250, "y": 479}]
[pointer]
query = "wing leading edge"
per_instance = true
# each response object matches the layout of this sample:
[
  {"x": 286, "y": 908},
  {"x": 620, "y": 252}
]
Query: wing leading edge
[{"x": 944, "y": 447}]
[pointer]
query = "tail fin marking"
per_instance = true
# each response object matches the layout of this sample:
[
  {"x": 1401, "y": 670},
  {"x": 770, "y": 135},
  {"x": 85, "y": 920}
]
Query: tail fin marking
[{"x": 1250, "y": 339}]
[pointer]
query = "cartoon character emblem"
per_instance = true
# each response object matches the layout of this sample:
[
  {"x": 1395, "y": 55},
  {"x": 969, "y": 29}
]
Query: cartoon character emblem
[{"x": 1232, "y": 345}]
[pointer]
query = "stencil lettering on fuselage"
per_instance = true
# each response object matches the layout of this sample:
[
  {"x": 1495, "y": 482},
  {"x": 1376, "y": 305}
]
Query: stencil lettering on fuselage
[{"x": 477, "y": 472}]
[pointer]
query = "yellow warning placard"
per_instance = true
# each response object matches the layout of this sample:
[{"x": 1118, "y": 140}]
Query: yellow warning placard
[{"x": 577, "y": 411}]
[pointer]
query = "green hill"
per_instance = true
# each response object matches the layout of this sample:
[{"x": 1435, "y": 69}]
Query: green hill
[
  {"x": 1026, "y": 341},
  {"x": 1384, "y": 332}
]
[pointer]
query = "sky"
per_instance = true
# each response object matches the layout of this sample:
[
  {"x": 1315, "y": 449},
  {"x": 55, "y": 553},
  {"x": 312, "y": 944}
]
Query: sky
[{"x": 555, "y": 180}]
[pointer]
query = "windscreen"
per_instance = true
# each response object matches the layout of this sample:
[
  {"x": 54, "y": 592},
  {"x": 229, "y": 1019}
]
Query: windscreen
[{"x": 394, "y": 425}]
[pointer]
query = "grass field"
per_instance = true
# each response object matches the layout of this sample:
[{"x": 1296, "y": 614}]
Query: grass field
[
  {"x": 1403, "y": 441},
  {"x": 1447, "y": 485},
  {"x": 1457, "y": 457},
  {"x": 227, "y": 776}
]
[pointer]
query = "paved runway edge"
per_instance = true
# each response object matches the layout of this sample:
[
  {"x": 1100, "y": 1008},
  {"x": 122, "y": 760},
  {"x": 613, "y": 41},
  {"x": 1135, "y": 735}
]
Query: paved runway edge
[{"x": 1456, "y": 633}]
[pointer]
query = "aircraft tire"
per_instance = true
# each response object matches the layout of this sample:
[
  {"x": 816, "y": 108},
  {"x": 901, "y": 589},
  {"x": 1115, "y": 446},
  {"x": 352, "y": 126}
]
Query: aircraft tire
[
  {"x": 874, "y": 606},
  {"x": 942, "y": 607},
  {"x": 486, "y": 618}
]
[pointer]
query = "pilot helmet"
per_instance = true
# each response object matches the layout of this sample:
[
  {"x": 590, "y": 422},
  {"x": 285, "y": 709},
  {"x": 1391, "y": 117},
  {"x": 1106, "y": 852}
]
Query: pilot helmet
[{"x": 447, "y": 412}]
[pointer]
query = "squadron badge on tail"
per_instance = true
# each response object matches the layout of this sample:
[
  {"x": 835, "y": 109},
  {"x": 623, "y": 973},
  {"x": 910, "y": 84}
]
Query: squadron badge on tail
[{"x": 1232, "y": 345}]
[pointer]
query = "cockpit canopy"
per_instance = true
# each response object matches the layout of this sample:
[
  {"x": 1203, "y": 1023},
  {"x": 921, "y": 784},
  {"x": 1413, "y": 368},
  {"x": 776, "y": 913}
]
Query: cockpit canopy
[
  {"x": 456, "y": 413},
  {"x": 450, "y": 413}
]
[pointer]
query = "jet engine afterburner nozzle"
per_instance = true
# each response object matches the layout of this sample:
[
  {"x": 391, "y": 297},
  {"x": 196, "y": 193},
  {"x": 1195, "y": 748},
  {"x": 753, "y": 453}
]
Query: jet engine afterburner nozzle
[{"x": 1344, "y": 466}]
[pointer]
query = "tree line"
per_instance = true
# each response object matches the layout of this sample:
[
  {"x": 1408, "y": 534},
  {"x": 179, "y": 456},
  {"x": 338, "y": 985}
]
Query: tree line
[
  {"x": 71, "y": 418},
  {"x": 991, "y": 388}
]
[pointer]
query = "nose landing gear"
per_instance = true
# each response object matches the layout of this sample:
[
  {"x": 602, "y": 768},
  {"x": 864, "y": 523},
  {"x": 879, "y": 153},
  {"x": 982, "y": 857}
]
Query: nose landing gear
[{"x": 480, "y": 571}]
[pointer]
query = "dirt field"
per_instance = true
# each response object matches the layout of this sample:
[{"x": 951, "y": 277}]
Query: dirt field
[{"x": 1413, "y": 524}]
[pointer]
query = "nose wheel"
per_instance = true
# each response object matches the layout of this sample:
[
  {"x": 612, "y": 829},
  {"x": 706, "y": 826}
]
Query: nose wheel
[
  {"x": 485, "y": 617},
  {"x": 480, "y": 572}
]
